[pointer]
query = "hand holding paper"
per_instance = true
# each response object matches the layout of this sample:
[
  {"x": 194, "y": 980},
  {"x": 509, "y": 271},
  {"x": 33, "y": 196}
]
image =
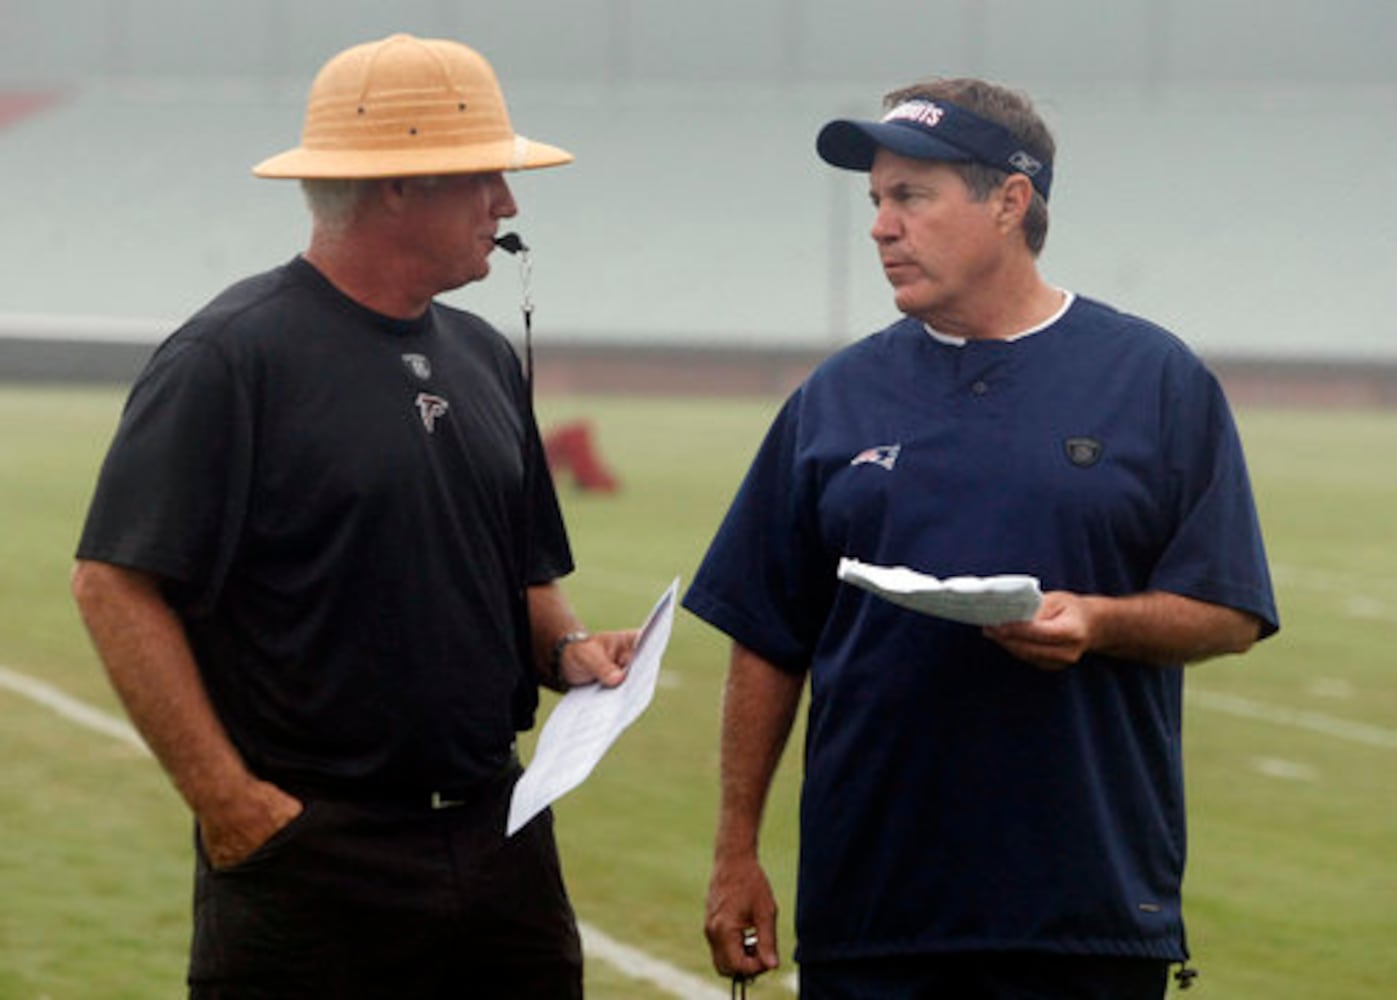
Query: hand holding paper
[
  {"x": 587, "y": 721},
  {"x": 974, "y": 600}
]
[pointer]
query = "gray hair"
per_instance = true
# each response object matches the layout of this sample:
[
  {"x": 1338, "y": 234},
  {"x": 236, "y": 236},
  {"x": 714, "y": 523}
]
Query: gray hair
[
  {"x": 333, "y": 203},
  {"x": 1010, "y": 108}
]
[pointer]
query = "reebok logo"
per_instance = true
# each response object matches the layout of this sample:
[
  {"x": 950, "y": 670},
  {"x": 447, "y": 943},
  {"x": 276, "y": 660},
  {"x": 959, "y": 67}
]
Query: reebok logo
[
  {"x": 1083, "y": 452},
  {"x": 1022, "y": 160}
]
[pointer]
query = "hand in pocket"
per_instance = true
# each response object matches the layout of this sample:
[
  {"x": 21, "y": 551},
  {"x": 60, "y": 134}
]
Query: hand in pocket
[{"x": 234, "y": 830}]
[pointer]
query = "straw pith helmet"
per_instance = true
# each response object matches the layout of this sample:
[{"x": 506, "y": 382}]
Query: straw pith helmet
[{"x": 407, "y": 107}]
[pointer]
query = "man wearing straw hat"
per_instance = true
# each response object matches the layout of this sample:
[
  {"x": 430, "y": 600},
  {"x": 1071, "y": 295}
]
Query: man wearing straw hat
[{"x": 320, "y": 566}]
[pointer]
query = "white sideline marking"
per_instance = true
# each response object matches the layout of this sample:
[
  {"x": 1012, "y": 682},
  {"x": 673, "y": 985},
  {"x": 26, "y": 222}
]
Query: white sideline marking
[
  {"x": 631, "y": 961},
  {"x": 72, "y": 709},
  {"x": 1356, "y": 594},
  {"x": 1286, "y": 770},
  {"x": 1294, "y": 718},
  {"x": 1330, "y": 687},
  {"x": 1329, "y": 582},
  {"x": 638, "y": 965}
]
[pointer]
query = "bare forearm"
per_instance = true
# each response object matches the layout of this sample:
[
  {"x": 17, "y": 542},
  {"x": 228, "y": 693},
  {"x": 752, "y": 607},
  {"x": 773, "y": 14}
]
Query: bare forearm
[
  {"x": 147, "y": 657},
  {"x": 550, "y": 618},
  {"x": 759, "y": 707},
  {"x": 1167, "y": 628},
  {"x": 1154, "y": 627}
]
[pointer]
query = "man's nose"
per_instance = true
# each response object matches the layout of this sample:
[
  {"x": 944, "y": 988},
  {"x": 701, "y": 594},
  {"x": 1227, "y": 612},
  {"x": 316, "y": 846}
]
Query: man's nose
[
  {"x": 885, "y": 227},
  {"x": 502, "y": 201}
]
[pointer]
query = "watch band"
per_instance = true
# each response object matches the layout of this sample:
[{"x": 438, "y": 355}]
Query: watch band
[{"x": 555, "y": 662}]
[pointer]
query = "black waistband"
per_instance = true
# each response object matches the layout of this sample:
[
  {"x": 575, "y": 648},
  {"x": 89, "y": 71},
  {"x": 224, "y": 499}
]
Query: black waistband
[{"x": 414, "y": 795}]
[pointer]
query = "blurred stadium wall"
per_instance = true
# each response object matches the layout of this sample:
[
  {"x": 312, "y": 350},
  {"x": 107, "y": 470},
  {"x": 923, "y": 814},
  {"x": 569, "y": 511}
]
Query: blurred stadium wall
[{"x": 1223, "y": 169}]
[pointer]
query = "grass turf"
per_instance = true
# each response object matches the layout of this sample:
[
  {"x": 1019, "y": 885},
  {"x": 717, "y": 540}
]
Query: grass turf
[{"x": 1293, "y": 855}]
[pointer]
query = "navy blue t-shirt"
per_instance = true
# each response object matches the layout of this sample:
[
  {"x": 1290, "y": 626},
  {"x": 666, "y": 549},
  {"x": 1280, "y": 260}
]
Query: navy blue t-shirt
[
  {"x": 956, "y": 798},
  {"x": 336, "y": 501}
]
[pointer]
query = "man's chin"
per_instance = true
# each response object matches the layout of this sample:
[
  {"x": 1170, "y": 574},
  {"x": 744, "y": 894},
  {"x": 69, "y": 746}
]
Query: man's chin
[
  {"x": 478, "y": 273},
  {"x": 907, "y": 302}
]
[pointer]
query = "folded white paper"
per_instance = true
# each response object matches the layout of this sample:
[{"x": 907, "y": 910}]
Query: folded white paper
[
  {"x": 974, "y": 600},
  {"x": 587, "y": 720}
]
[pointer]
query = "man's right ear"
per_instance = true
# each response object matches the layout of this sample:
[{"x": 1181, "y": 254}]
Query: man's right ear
[{"x": 392, "y": 192}]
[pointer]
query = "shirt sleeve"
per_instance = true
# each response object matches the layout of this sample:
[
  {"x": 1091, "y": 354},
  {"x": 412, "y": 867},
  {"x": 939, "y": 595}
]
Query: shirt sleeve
[
  {"x": 173, "y": 490},
  {"x": 1217, "y": 553},
  {"x": 766, "y": 580}
]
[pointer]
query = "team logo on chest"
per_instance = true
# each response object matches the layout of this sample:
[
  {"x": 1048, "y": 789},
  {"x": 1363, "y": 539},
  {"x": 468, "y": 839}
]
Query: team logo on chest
[
  {"x": 884, "y": 456},
  {"x": 430, "y": 408},
  {"x": 419, "y": 365},
  {"x": 1083, "y": 452}
]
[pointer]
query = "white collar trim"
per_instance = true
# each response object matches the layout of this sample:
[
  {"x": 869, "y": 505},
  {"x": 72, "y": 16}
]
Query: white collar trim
[{"x": 945, "y": 338}]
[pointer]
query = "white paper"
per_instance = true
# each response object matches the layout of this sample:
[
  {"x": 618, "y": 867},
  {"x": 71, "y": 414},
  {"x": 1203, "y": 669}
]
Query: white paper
[
  {"x": 587, "y": 720},
  {"x": 974, "y": 600}
]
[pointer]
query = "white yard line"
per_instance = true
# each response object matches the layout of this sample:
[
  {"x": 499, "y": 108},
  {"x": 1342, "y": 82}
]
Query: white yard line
[
  {"x": 632, "y": 962},
  {"x": 638, "y": 965},
  {"x": 1285, "y": 770},
  {"x": 1293, "y": 718},
  {"x": 1359, "y": 597},
  {"x": 1327, "y": 581},
  {"x": 70, "y": 708}
]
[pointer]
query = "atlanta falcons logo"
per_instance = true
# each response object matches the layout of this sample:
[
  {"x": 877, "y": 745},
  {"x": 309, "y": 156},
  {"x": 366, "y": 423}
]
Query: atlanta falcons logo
[{"x": 429, "y": 408}]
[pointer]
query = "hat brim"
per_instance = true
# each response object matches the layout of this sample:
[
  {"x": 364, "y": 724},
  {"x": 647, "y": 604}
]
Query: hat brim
[
  {"x": 518, "y": 153},
  {"x": 852, "y": 144}
]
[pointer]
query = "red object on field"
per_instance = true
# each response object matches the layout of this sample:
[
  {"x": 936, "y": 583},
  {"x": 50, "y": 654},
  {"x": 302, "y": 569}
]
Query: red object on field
[
  {"x": 570, "y": 447},
  {"x": 14, "y": 106}
]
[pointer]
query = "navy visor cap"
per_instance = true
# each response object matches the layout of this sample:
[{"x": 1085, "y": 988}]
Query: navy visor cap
[{"x": 931, "y": 130}]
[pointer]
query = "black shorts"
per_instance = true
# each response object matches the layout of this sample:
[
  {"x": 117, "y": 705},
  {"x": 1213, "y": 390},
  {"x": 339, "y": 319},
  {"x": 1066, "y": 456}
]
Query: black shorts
[
  {"x": 395, "y": 900},
  {"x": 986, "y": 976}
]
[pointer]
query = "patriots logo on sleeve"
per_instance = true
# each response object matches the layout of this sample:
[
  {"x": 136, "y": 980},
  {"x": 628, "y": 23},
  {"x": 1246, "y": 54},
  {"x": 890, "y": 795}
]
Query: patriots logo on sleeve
[{"x": 884, "y": 456}]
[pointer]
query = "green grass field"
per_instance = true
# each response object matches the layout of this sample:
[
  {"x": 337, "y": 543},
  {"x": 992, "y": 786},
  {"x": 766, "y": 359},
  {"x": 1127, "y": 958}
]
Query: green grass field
[{"x": 1291, "y": 750}]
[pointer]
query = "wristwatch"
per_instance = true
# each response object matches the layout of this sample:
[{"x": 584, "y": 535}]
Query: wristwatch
[{"x": 555, "y": 662}]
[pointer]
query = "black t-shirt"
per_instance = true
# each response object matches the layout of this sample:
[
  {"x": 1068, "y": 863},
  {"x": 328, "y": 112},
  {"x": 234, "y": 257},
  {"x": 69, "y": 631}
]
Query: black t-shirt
[{"x": 336, "y": 501}]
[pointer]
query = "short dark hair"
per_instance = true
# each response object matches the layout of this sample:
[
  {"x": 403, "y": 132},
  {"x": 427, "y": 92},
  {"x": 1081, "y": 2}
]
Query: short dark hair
[{"x": 1011, "y": 108}]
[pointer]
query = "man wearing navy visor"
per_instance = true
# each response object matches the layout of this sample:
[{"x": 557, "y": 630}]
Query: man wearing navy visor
[{"x": 987, "y": 811}]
